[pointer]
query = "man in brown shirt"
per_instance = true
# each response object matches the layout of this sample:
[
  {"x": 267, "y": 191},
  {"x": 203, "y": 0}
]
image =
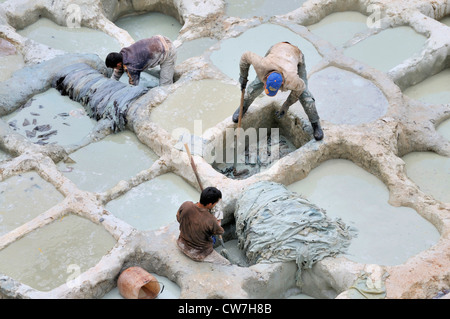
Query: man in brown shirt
[
  {"x": 282, "y": 68},
  {"x": 142, "y": 55},
  {"x": 198, "y": 225}
]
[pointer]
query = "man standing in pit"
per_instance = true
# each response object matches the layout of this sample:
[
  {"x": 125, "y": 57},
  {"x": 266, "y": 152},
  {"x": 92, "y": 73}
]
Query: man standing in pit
[{"x": 283, "y": 67}]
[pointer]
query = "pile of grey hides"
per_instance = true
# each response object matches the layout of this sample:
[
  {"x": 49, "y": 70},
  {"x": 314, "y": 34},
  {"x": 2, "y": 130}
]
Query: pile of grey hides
[
  {"x": 102, "y": 97},
  {"x": 274, "y": 224}
]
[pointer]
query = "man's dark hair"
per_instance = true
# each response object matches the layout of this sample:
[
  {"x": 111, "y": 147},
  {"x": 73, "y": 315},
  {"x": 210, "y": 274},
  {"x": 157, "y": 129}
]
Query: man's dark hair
[
  {"x": 112, "y": 59},
  {"x": 210, "y": 195}
]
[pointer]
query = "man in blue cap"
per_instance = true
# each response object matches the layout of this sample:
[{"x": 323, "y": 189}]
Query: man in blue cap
[{"x": 282, "y": 68}]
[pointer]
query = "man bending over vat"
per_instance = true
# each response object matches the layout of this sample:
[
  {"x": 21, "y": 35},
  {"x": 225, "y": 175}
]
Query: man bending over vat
[
  {"x": 142, "y": 55},
  {"x": 198, "y": 225}
]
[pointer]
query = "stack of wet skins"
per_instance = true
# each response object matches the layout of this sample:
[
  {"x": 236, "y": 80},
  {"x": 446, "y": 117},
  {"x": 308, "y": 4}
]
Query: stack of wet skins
[{"x": 102, "y": 97}]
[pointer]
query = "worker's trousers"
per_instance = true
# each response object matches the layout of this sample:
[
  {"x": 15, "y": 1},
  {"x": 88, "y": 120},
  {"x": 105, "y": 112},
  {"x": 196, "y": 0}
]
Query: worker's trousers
[{"x": 167, "y": 69}]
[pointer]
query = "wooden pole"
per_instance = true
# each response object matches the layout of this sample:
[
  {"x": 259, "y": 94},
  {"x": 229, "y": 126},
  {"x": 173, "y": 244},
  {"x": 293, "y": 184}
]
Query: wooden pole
[
  {"x": 241, "y": 111},
  {"x": 194, "y": 168}
]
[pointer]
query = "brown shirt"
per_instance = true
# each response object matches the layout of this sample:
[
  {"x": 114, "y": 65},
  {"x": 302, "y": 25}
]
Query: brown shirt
[{"x": 197, "y": 225}]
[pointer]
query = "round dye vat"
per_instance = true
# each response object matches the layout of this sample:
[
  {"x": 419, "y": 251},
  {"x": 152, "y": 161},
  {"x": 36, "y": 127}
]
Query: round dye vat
[
  {"x": 259, "y": 8},
  {"x": 74, "y": 40},
  {"x": 252, "y": 154},
  {"x": 339, "y": 27},
  {"x": 433, "y": 90},
  {"x": 233, "y": 253},
  {"x": 348, "y": 192},
  {"x": 146, "y": 25},
  {"x": 343, "y": 97},
  {"x": 23, "y": 197},
  {"x": 227, "y": 57},
  {"x": 56, "y": 253},
  {"x": 194, "y": 48},
  {"x": 197, "y": 106},
  {"x": 155, "y": 203},
  {"x": 387, "y": 49},
  {"x": 51, "y": 118},
  {"x": 103, "y": 164},
  {"x": 431, "y": 172}
]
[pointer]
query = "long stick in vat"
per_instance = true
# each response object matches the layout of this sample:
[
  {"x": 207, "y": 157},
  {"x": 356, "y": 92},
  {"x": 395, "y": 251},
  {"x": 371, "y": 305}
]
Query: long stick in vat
[
  {"x": 241, "y": 111},
  {"x": 236, "y": 141},
  {"x": 194, "y": 168}
]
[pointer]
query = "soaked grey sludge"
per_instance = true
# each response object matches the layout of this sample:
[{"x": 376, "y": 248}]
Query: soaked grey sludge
[
  {"x": 103, "y": 98},
  {"x": 274, "y": 224}
]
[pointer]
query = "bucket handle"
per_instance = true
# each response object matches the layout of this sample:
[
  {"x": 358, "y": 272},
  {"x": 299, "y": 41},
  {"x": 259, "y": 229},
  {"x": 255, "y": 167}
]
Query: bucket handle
[{"x": 162, "y": 289}]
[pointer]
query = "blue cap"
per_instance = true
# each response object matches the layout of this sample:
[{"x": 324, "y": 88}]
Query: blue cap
[{"x": 273, "y": 83}]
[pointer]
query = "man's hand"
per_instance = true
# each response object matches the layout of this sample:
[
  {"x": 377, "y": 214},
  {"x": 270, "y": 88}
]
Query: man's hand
[
  {"x": 243, "y": 82},
  {"x": 280, "y": 114}
]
